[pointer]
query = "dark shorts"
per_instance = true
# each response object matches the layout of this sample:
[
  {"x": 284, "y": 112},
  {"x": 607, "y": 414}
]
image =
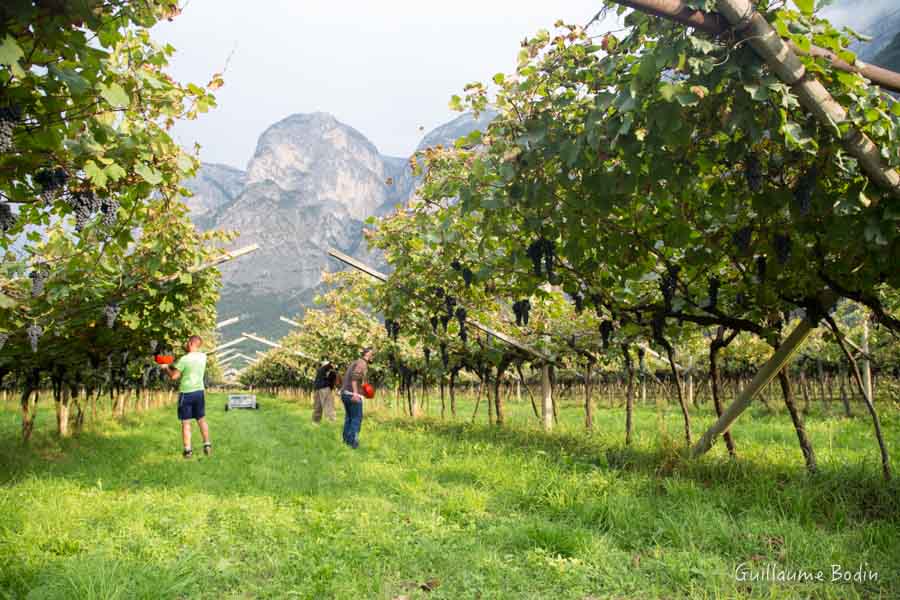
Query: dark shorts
[{"x": 191, "y": 405}]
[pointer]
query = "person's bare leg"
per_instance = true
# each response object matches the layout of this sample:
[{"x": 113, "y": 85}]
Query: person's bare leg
[
  {"x": 186, "y": 434},
  {"x": 204, "y": 429}
]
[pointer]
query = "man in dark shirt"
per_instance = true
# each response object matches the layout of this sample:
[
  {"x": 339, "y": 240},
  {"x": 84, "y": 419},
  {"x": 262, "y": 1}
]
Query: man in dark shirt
[
  {"x": 351, "y": 396},
  {"x": 326, "y": 378}
]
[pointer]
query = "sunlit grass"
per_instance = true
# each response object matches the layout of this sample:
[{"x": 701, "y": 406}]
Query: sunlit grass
[{"x": 470, "y": 510}]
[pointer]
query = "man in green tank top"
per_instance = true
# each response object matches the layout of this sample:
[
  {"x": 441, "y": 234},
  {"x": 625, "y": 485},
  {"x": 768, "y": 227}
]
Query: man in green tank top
[{"x": 189, "y": 371}]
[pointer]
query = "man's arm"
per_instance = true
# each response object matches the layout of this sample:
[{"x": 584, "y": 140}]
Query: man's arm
[
  {"x": 356, "y": 378},
  {"x": 173, "y": 373}
]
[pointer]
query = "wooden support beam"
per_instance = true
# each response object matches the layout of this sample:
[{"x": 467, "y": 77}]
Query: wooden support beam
[
  {"x": 227, "y": 322},
  {"x": 290, "y": 322},
  {"x": 262, "y": 340},
  {"x": 763, "y": 377},
  {"x": 225, "y": 353},
  {"x": 546, "y": 398},
  {"x": 715, "y": 24},
  {"x": 497, "y": 334},
  {"x": 230, "y": 344},
  {"x": 226, "y": 257},
  {"x": 247, "y": 358}
]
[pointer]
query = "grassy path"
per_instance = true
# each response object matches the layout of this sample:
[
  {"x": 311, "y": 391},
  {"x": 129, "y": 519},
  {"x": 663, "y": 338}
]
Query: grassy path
[{"x": 283, "y": 510}]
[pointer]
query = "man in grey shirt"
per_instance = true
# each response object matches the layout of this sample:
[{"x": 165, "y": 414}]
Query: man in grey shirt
[{"x": 351, "y": 396}]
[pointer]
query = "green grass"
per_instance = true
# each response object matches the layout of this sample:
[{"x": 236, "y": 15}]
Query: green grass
[{"x": 283, "y": 510}]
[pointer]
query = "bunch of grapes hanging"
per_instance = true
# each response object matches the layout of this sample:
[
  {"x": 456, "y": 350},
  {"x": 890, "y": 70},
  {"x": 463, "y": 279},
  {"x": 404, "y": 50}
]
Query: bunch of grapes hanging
[
  {"x": 450, "y": 305},
  {"x": 761, "y": 263},
  {"x": 521, "y": 309},
  {"x": 753, "y": 174},
  {"x": 713, "y": 291},
  {"x": 39, "y": 276},
  {"x": 445, "y": 357},
  {"x": 803, "y": 193},
  {"x": 578, "y": 300},
  {"x": 9, "y": 117},
  {"x": 34, "y": 333},
  {"x": 7, "y": 218},
  {"x": 606, "y": 330},
  {"x": 467, "y": 276},
  {"x": 109, "y": 208},
  {"x": 427, "y": 353},
  {"x": 542, "y": 253},
  {"x": 51, "y": 182},
  {"x": 783, "y": 247},
  {"x": 434, "y": 325},
  {"x": 83, "y": 204},
  {"x": 742, "y": 238},
  {"x": 667, "y": 288},
  {"x": 461, "y": 318},
  {"x": 111, "y": 312},
  {"x": 658, "y": 326}
]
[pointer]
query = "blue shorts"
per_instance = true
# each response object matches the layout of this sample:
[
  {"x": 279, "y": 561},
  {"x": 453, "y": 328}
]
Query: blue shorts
[{"x": 191, "y": 405}]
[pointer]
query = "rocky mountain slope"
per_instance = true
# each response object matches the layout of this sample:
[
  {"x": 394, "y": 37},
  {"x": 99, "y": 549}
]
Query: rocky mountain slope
[{"x": 310, "y": 185}]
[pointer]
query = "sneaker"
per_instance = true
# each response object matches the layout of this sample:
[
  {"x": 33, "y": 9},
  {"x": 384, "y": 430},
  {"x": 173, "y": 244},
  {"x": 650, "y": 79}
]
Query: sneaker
[
  {"x": 207, "y": 449},
  {"x": 188, "y": 453}
]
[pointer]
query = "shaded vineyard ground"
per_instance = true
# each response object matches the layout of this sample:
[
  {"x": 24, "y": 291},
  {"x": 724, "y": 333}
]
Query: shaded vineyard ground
[{"x": 470, "y": 510}]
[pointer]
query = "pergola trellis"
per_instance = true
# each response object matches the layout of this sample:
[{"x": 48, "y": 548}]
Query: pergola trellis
[{"x": 544, "y": 359}]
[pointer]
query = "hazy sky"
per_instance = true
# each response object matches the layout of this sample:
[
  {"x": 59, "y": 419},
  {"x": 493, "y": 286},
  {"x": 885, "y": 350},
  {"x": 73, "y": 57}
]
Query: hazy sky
[{"x": 385, "y": 68}]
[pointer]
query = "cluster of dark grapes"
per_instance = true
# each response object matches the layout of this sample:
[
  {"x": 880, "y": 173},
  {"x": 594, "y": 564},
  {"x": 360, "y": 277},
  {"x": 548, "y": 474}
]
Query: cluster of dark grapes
[
  {"x": 578, "y": 299},
  {"x": 392, "y": 328},
  {"x": 761, "y": 264},
  {"x": 3, "y": 338},
  {"x": 658, "y": 325},
  {"x": 111, "y": 312},
  {"x": 7, "y": 218},
  {"x": 38, "y": 277},
  {"x": 34, "y": 333},
  {"x": 466, "y": 272},
  {"x": 641, "y": 362},
  {"x": 783, "y": 247},
  {"x": 714, "y": 284},
  {"x": 51, "y": 182},
  {"x": 606, "y": 330},
  {"x": 803, "y": 193},
  {"x": 110, "y": 209},
  {"x": 9, "y": 116},
  {"x": 667, "y": 287},
  {"x": 438, "y": 292},
  {"x": 542, "y": 253},
  {"x": 445, "y": 320},
  {"x": 84, "y": 204},
  {"x": 467, "y": 276},
  {"x": 427, "y": 352},
  {"x": 461, "y": 318},
  {"x": 445, "y": 357},
  {"x": 753, "y": 174},
  {"x": 450, "y": 305},
  {"x": 434, "y": 325},
  {"x": 742, "y": 238},
  {"x": 741, "y": 299},
  {"x": 521, "y": 309}
]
